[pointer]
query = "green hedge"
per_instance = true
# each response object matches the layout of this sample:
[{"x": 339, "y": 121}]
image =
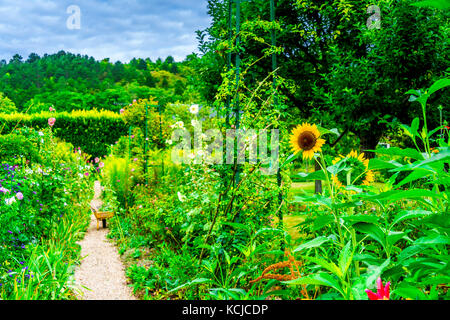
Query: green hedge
[{"x": 93, "y": 131}]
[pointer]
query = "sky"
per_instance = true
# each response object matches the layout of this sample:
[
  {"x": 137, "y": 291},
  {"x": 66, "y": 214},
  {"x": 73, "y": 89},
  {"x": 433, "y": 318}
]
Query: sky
[{"x": 115, "y": 29}]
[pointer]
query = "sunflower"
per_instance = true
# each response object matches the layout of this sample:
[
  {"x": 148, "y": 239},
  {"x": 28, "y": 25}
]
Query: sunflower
[
  {"x": 359, "y": 170},
  {"x": 305, "y": 137}
]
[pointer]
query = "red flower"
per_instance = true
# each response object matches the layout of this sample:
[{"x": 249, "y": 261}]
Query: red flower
[
  {"x": 51, "y": 122},
  {"x": 382, "y": 293}
]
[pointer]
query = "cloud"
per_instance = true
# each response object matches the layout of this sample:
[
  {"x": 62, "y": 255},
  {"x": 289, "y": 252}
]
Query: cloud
[{"x": 115, "y": 29}]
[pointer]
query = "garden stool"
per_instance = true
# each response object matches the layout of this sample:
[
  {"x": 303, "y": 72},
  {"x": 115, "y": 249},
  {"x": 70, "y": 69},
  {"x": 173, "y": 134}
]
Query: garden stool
[{"x": 101, "y": 216}]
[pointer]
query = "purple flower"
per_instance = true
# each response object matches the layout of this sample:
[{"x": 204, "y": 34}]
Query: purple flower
[{"x": 19, "y": 195}]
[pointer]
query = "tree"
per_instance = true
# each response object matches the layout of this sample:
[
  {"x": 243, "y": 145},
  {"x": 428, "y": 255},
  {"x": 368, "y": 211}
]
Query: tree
[
  {"x": 336, "y": 72},
  {"x": 179, "y": 88},
  {"x": 6, "y": 105}
]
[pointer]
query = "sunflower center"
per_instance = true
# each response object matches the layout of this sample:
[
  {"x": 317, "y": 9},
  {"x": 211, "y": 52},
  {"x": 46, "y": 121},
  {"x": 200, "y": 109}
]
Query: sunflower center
[{"x": 307, "y": 140}]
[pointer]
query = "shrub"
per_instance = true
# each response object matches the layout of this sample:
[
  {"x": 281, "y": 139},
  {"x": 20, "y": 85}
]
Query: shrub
[
  {"x": 14, "y": 146},
  {"x": 93, "y": 130}
]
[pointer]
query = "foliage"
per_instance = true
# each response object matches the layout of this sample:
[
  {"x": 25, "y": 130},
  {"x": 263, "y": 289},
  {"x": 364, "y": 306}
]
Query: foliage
[
  {"x": 69, "y": 82},
  {"x": 40, "y": 217},
  {"x": 6, "y": 105},
  {"x": 14, "y": 146},
  {"x": 93, "y": 131}
]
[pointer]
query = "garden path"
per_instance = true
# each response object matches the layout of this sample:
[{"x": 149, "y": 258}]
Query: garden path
[{"x": 101, "y": 270}]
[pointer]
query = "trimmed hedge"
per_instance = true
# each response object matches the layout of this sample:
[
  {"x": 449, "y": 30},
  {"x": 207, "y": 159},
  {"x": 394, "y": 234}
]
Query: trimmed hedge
[{"x": 93, "y": 131}]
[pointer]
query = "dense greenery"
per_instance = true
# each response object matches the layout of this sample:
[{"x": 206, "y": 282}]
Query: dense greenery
[
  {"x": 336, "y": 71},
  {"x": 92, "y": 131},
  {"x": 208, "y": 230},
  {"x": 40, "y": 216},
  {"x": 67, "y": 81}
]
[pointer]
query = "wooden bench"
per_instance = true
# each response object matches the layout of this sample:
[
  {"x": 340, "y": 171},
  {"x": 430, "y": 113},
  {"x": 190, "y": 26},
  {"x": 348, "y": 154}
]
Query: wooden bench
[{"x": 101, "y": 216}]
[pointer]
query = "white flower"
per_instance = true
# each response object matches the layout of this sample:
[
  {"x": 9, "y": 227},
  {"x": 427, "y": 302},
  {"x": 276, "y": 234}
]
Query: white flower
[
  {"x": 10, "y": 201},
  {"x": 42, "y": 141},
  {"x": 41, "y": 133},
  {"x": 169, "y": 142},
  {"x": 4, "y": 190},
  {"x": 181, "y": 197},
  {"x": 194, "y": 109},
  {"x": 195, "y": 123},
  {"x": 200, "y": 153},
  {"x": 179, "y": 124}
]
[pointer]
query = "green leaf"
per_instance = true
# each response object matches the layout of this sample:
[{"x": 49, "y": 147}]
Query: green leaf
[
  {"x": 291, "y": 158},
  {"x": 376, "y": 271},
  {"x": 316, "y": 175},
  {"x": 438, "y": 4},
  {"x": 377, "y": 164},
  {"x": 323, "y": 131},
  {"x": 443, "y": 156},
  {"x": 318, "y": 279},
  {"x": 410, "y": 214},
  {"x": 415, "y": 175},
  {"x": 394, "y": 236},
  {"x": 372, "y": 230},
  {"x": 441, "y": 83},
  {"x": 360, "y": 218},
  {"x": 321, "y": 222},
  {"x": 409, "y": 292},
  {"x": 330, "y": 266},
  {"x": 264, "y": 230},
  {"x": 345, "y": 258},
  {"x": 409, "y": 252},
  {"x": 188, "y": 284},
  {"x": 415, "y": 126},
  {"x": 408, "y": 152},
  {"x": 312, "y": 244},
  {"x": 238, "y": 226},
  {"x": 394, "y": 195},
  {"x": 433, "y": 240}
]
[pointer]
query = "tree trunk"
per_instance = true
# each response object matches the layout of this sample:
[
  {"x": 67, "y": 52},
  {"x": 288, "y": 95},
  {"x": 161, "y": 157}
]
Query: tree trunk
[
  {"x": 318, "y": 183},
  {"x": 369, "y": 141}
]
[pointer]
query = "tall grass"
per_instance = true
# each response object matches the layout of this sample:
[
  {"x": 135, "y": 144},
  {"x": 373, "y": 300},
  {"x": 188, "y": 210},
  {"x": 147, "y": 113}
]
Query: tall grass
[{"x": 50, "y": 268}]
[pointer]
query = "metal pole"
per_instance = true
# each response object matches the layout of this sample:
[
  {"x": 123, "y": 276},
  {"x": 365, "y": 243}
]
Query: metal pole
[
  {"x": 146, "y": 143},
  {"x": 160, "y": 138},
  {"x": 129, "y": 142},
  {"x": 230, "y": 34},
  {"x": 275, "y": 97},
  {"x": 238, "y": 70}
]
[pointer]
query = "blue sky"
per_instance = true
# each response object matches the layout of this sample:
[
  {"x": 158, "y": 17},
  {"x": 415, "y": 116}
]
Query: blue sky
[{"x": 119, "y": 30}]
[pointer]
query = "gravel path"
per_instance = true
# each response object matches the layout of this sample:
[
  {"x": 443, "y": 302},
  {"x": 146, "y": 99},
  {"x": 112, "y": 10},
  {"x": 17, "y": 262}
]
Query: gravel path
[{"x": 101, "y": 270}]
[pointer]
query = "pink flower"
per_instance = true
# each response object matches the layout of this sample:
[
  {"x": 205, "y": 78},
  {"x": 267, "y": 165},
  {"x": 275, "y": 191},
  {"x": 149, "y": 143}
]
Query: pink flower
[
  {"x": 87, "y": 174},
  {"x": 382, "y": 293},
  {"x": 51, "y": 122},
  {"x": 97, "y": 160},
  {"x": 122, "y": 111},
  {"x": 101, "y": 165},
  {"x": 51, "y": 109},
  {"x": 135, "y": 159},
  {"x": 19, "y": 195}
]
